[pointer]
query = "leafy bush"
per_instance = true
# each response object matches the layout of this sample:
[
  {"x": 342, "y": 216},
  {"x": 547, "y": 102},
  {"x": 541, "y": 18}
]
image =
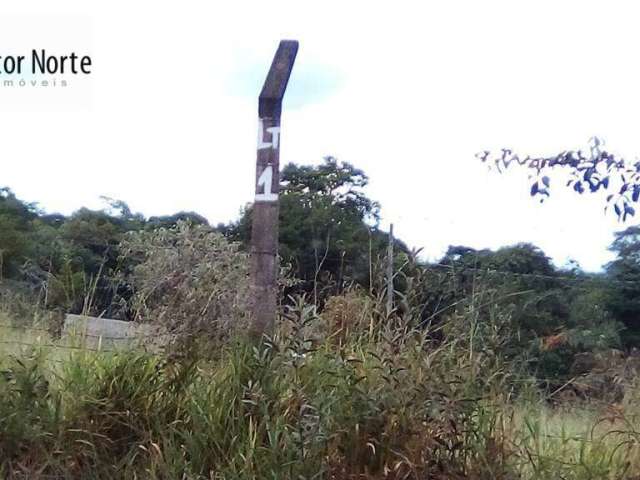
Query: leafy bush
[{"x": 188, "y": 279}]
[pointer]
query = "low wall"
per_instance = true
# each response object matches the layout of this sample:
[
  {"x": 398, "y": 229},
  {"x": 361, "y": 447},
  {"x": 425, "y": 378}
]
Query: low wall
[{"x": 105, "y": 333}]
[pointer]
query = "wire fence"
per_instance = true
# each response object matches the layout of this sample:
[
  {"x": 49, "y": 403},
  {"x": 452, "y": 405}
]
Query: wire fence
[
  {"x": 36, "y": 336},
  {"x": 450, "y": 268},
  {"x": 458, "y": 268},
  {"x": 585, "y": 278}
]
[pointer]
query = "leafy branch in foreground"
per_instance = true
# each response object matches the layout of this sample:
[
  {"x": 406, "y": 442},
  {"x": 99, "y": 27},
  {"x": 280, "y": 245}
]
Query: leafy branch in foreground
[{"x": 589, "y": 172}]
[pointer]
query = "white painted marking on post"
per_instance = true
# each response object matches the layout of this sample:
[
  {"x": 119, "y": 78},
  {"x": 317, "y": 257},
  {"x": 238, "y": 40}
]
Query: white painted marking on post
[
  {"x": 264, "y": 180},
  {"x": 275, "y": 136},
  {"x": 261, "y": 143}
]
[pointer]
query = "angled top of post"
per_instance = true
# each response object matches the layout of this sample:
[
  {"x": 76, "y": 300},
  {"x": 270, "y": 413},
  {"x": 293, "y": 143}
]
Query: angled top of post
[{"x": 270, "y": 102}]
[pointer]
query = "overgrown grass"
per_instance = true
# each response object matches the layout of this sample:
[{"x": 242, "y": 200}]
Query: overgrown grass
[{"x": 391, "y": 403}]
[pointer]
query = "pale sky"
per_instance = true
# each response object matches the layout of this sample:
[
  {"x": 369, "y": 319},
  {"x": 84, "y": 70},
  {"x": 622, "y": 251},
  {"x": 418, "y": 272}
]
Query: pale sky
[{"x": 407, "y": 91}]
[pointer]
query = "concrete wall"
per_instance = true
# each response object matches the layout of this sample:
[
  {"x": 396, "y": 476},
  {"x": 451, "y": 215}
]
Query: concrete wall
[{"x": 105, "y": 333}]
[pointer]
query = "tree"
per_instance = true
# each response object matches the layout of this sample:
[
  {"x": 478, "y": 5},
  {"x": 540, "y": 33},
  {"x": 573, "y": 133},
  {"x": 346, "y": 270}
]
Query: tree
[
  {"x": 327, "y": 225},
  {"x": 521, "y": 276},
  {"x": 16, "y": 219},
  {"x": 169, "y": 221},
  {"x": 624, "y": 274}
]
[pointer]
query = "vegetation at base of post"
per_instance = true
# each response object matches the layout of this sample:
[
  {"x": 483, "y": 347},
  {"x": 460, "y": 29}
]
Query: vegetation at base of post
[{"x": 345, "y": 393}]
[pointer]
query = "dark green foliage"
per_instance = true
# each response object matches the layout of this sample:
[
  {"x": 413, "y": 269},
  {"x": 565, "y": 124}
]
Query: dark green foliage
[
  {"x": 522, "y": 278},
  {"x": 327, "y": 226},
  {"x": 556, "y": 314},
  {"x": 24, "y": 391},
  {"x": 71, "y": 262},
  {"x": 624, "y": 287},
  {"x": 16, "y": 219},
  {"x": 169, "y": 221}
]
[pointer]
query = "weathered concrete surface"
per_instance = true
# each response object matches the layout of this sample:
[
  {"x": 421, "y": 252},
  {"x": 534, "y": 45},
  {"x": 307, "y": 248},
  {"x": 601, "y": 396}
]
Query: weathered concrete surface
[{"x": 105, "y": 333}]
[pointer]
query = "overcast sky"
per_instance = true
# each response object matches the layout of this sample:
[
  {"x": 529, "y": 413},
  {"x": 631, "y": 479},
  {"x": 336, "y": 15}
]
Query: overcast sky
[{"x": 407, "y": 91}]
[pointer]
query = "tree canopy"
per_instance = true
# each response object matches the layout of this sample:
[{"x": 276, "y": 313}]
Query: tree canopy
[{"x": 328, "y": 227}]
